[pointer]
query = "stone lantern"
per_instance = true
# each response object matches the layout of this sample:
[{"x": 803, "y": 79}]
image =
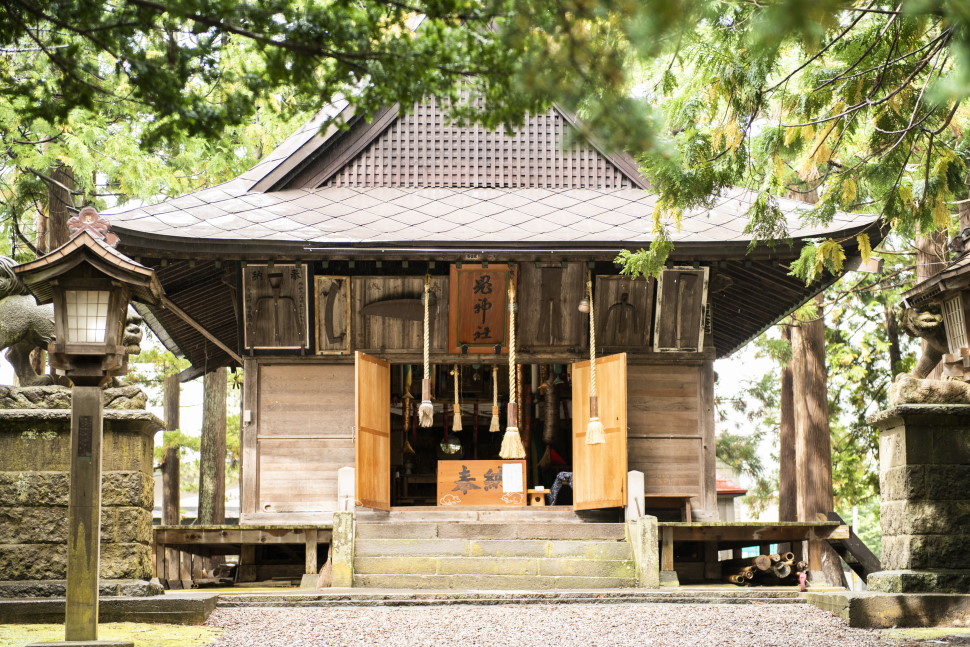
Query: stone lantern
[{"x": 90, "y": 285}]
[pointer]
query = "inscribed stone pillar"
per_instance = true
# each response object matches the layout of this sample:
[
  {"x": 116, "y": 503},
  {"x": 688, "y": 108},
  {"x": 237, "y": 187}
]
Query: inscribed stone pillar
[{"x": 924, "y": 478}]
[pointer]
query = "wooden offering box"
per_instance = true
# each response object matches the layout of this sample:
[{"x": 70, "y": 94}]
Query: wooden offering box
[{"x": 493, "y": 482}]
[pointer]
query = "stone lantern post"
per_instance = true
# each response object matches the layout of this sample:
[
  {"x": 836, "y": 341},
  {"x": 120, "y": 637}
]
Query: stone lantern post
[{"x": 90, "y": 285}]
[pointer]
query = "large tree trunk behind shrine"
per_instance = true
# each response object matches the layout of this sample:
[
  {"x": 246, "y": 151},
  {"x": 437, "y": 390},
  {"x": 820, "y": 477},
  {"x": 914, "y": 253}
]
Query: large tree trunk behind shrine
[
  {"x": 170, "y": 463},
  {"x": 813, "y": 461},
  {"x": 930, "y": 260},
  {"x": 212, "y": 460},
  {"x": 52, "y": 231},
  {"x": 787, "y": 481}
]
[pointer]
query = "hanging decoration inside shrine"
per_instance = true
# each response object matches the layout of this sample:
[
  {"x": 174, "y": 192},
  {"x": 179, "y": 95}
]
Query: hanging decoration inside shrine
[
  {"x": 595, "y": 434},
  {"x": 426, "y": 410},
  {"x": 512, "y": 448}
]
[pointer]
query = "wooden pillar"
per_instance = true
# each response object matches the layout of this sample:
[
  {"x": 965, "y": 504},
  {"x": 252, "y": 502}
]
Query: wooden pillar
[
  {"x": 667, "y": 549},
  {"x": 84, "y": 515},
  {"x": 247, "y": 563},
  {"x": 311, "y": 551}
]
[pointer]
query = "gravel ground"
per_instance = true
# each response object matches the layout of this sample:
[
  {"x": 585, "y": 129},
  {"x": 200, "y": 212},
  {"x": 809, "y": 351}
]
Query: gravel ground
[{"x": 572, "y": 625}]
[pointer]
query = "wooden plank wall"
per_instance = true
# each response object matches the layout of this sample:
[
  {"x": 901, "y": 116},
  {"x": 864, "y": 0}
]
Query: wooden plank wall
[
  {"x": 377, "y": 334},
  {"x": 549, "y": 294},
  {"x": 305, "y": 422},
  {"x": 671, "y": 430}
]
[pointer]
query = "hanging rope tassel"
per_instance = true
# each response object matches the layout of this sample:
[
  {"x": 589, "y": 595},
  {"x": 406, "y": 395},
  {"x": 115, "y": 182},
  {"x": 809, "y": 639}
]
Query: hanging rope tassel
[
  {"x": 426, "y": 410},
  {"x": 595, "y": 434},
  {"x": 406, "y": 410},
  {"x": 456, "y": 425},
  {"x": 512, "y": 448},
  {"x": 494, "y": 425}
]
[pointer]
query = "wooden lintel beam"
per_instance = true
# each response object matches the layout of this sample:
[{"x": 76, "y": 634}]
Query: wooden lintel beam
[{"x": 195, "y": 324}]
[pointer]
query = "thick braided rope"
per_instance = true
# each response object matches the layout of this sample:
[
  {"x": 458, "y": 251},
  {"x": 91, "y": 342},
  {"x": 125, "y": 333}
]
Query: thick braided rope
[
  {"x": 456, "y": 385},
  {"x": 495, "y": 385},
  {"x": 513, "y": 391},
  {"x": 592, "y": 341},
  {"x": 427, "y": 328}
]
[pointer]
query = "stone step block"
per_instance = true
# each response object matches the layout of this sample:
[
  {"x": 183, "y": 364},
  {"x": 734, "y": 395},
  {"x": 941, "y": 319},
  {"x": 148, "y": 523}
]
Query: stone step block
[
  {"x": 549, "y": 531},
  {"x": 587, "y": 567},
  {"x": 404, "y": 530},
  {"x": 397, "y": 565},
  {"x": 489, "y": 582},
  {"x": 410, "y": 547},
  {"x": 488, "y": 566}
]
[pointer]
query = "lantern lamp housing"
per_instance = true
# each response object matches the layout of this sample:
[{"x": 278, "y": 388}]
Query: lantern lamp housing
[{"x": 90, "y": 285}]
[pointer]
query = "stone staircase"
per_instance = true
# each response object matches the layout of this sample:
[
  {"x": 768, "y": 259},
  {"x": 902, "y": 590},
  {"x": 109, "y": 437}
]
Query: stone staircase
[{"x": 490, "y": 550}]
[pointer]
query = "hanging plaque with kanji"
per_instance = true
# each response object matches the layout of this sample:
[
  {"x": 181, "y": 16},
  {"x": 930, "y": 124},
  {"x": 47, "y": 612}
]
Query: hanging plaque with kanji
[
  {"x": 275, "y": 306},
  {"x": 479, "y": 308}
]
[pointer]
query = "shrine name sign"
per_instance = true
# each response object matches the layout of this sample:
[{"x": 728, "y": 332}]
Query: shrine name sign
[
  {"x": 493, "y": 482},
  {"x": 478, "y": 300}
]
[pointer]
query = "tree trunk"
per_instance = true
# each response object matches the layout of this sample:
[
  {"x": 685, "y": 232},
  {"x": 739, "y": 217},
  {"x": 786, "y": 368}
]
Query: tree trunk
[
  {"x": 930, "y": 260},
  {"x": 60, "y": 205},
  {"x": 787, "y": 482},
  {"x": 170, "y": 465},
  {"x": 212, "y": 459},
  {"x": 813, "y": 460},
  {"x": 892, "y": 335}
]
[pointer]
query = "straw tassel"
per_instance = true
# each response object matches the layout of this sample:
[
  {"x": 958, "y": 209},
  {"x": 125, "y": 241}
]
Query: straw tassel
[
  {"x": 595, "y": 434},
  {"x": 512, "y": 448},
  {"x": 456, "y": 425},
  {"x": 494, "y": 425},
  {"x": 426, "y": 410}
]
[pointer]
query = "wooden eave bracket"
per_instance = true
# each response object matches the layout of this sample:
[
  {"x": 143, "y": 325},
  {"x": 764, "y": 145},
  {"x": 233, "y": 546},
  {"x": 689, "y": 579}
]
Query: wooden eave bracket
[{"x": 195, "y": 324}]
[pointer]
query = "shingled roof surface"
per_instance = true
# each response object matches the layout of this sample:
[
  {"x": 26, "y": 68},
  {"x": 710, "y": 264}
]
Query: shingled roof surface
[
  {"x": 342, "y": 215},
  {"x": 416, "y": 178}
]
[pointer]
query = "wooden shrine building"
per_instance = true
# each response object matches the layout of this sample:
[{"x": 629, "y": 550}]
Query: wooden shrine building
[{"x": 309, "y": 271}]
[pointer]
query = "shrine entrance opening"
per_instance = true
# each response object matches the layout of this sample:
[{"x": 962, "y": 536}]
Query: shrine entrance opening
[{"x": 400, "y": 463}]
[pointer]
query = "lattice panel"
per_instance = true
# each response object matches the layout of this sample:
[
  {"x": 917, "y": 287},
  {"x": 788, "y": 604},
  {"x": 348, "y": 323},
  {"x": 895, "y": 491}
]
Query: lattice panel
[
  {"x": 422, "y": 150},
  {"x": 956, "y": 330}
]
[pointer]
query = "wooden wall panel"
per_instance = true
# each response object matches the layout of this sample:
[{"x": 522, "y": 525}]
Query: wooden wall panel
[
  {"x": 548, "y": 297},
  {"x": 667, "y": 429},
  {"x": 305, "y": 416},
  {"x": 333, "y": 320},
  {"x": 624, "y": 313},
  {"x": 681, "y": 303},
  {"x": 669, "y": 465},
  {"x": 306, "y": 400},
  {"x": 301, "y": 475},
  {"x": 403, "y": 330},
  {"x": 664, "y": 400},
  {"x": 275, "y": 306}
]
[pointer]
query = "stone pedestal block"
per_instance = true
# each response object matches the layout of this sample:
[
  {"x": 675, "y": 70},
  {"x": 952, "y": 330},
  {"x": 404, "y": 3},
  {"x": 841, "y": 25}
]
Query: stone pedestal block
[
  {"x": 924, "y": 478},
  {"x": 34, "y": 479}
]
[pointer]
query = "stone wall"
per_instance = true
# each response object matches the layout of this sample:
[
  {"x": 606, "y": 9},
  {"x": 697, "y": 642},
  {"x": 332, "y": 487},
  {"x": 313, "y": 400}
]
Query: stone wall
[
  {"x": 924, "y": 482},
  {"x": 34, "y": 477}
]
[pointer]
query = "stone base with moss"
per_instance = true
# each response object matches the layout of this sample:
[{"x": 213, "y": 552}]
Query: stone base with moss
[
  {"x": 924, "y": 483},
  {"x": 34, "y": 479}
]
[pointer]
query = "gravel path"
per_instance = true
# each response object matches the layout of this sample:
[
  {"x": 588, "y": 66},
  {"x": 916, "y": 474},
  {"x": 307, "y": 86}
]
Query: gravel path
[{"x": 572, "y": 625}]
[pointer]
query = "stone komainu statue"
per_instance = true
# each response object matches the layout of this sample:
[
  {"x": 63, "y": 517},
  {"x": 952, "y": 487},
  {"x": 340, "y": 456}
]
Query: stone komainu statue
[
  {"x": 927, "y": 324},
  {"x": 24, "y": 326}
]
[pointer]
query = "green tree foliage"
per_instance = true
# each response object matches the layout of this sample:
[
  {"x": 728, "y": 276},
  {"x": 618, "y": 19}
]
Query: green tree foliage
[
  {"x": 108, "y": 142},
  {"x": 859, "y": 103}
]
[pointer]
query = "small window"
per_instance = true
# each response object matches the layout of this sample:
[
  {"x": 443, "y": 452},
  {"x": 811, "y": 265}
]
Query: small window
[{"x": 956, "y": 330}]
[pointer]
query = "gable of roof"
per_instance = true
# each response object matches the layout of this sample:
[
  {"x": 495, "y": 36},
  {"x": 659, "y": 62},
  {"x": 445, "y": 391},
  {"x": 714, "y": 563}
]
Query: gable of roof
[{"x": 422, "y": 149}]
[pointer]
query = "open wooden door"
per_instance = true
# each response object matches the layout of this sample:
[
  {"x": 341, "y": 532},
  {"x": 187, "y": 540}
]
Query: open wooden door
[
  {"x": 599, "y": 471},
  {"x": 372, "y": 431}
]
